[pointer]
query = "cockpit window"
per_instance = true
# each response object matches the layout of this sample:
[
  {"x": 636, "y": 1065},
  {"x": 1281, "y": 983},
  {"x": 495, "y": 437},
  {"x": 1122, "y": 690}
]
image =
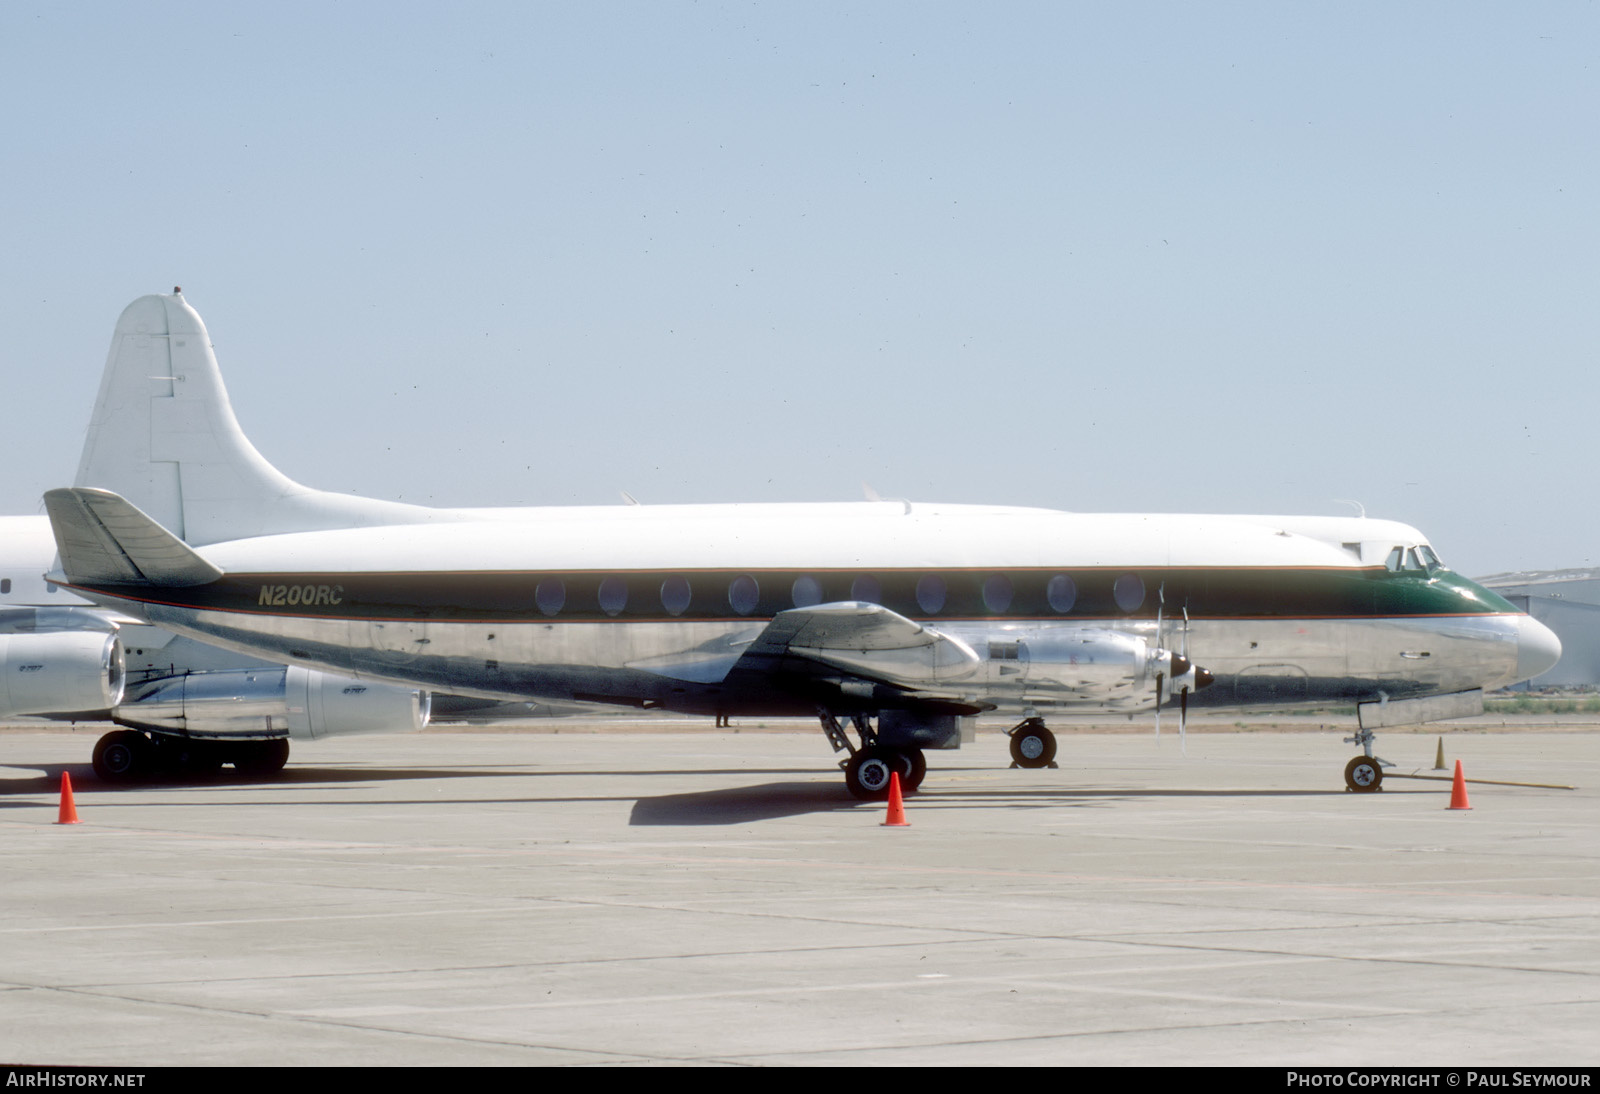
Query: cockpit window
[{"x": 1418, "y": 559}]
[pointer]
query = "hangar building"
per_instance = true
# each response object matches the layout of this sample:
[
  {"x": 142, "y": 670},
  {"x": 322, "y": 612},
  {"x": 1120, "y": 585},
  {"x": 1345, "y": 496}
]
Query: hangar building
[{"x": 1568, "y": 602}]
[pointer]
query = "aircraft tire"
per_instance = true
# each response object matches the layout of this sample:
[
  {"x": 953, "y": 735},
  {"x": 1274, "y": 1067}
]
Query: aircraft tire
[
  {"x": 1363, "y": 775},
  {"x": 122, "y": 756},
  {"x": 913, "y": 769},
  {"x": 866, "y": 776},
  {"x": 261, "y": 758},
  {"x": 1033, "y": 746}
]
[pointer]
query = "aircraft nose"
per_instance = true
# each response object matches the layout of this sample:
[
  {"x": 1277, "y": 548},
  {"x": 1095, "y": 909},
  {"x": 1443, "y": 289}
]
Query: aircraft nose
[{"x": 1538, "y": 648}]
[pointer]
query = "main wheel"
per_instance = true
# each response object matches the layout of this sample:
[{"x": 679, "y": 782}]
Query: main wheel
[
  {"x": 121, "y": 756},
  {"x": 1363, "y": 775},
  {"x": 913, "y": 768},
  {"x": 1032, "y": 745},
  {"x": 260, "y": 758},
  {"x": 867, "y": 774}
]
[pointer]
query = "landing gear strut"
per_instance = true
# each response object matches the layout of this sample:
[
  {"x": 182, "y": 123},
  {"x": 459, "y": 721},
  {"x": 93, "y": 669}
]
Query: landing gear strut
[
  {"x": 1032, "y": 745},
  {"x": 867, "y": 770}
]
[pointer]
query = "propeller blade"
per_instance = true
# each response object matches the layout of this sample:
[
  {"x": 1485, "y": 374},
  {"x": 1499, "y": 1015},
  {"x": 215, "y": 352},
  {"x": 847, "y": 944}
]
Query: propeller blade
[
  {"x": 1183, "y": 719},
  {"x": 1159, "y": 677}
]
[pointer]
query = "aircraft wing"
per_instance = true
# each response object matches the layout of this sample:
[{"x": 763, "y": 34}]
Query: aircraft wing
[{"x": 867, "y": 641}]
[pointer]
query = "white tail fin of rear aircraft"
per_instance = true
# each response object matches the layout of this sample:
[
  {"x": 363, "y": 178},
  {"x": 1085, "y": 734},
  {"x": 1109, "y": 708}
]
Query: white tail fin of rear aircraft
[{"x": 164, "y": 437}]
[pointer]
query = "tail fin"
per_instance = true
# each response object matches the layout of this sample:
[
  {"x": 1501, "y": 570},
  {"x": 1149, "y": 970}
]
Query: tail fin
[{"x": 163, "y": 436}]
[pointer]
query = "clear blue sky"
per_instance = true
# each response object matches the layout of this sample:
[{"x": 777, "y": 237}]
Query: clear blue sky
[{"x": 1194, "y": 257}]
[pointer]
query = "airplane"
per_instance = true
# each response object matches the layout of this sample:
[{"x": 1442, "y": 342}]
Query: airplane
[{"x": 898, "y": 621}]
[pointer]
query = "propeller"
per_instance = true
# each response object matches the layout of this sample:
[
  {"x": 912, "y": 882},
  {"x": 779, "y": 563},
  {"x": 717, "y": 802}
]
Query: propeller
[
  {"x": 1179, "y": 672},
  {"x": 1161, "y": 603},
  {"x": 1183, "y": 696}
]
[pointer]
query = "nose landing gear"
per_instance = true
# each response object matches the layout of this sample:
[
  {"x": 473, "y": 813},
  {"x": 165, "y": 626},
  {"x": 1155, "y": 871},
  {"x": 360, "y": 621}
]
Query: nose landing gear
[{"x": 1364, "y": 774}]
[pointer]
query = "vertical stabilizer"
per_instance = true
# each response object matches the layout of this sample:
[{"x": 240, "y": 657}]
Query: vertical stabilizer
[{"x": 163, "y": 436}]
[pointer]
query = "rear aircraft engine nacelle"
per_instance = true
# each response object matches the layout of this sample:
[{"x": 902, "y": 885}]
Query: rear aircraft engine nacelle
[
  {"x": 322, "y": 704},
  {"x": 270, "y": 702},
  {"x": 65, "y": 672}
]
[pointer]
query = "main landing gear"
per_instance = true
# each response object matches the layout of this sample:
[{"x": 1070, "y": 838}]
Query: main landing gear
[
  {"x": 126, "y": 755},
  {"x": 1364, "y": 774},
  {"x": 1032, "y": 745},
  {"x": 867, "y": 770}
]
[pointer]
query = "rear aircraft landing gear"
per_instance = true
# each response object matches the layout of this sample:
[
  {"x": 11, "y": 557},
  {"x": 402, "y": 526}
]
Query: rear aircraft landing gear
[
  {"x": 260, "y": 759},
  {"x": 123, "y": 756},
  {"x": 1032, "y": 745},
  {"x": 126, "y": 755}
]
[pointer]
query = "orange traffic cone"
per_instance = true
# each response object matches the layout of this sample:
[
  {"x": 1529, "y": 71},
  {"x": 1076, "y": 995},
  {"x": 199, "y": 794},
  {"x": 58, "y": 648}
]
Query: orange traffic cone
[
  {"x": 897, "y": 809},
  {"x": 69, "y": 811},
  {"x": 1458, "y": 791}
]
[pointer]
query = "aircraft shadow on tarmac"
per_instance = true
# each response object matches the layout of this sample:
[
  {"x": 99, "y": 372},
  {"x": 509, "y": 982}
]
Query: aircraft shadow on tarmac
[{"x": 769, "y": 801}]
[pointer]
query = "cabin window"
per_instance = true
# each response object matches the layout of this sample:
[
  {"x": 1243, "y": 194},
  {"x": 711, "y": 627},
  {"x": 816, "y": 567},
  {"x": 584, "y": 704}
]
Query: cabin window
[
  {"x": 5, "y": 584},
  {"x": 49, "y": 586},
  {"x": 868, "y": 589},
  {"x": 997, "y": 593},
  {"x": 675, "y": 594},
  {"x": 930, "y": 594},
  {"x": 613, "y": 595},
  {"x": 1128, "y": 592},
  {"x": 550, "y": 595},
  {"x": 1062, "y": 592},
  {"x": 743, "y": 593},
  {"x": 806, "y": 591}
]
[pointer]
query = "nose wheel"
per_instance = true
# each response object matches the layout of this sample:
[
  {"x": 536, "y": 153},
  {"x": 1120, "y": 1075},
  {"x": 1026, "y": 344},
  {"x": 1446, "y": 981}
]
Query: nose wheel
[{"x": 1363, "y": 775}]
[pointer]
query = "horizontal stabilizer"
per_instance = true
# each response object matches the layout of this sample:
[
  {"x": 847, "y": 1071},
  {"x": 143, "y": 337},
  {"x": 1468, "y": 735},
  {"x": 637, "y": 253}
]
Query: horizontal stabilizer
[{"x": 104, "y": 540}]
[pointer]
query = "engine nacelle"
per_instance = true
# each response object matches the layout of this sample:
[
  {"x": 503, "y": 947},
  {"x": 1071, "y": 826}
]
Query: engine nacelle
[
  {"x": 322, "y": 704},
  {"x": 65, "y": 672},
  {"x": 273, "y": 702}
]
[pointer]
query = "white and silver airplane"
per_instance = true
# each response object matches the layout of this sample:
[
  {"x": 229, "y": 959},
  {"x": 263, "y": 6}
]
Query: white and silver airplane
[{"x": 899, "y": 620}]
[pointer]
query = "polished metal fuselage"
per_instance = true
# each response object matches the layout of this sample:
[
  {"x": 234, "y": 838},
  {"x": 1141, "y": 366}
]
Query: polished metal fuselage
[{"x": 1278, "y": 615}]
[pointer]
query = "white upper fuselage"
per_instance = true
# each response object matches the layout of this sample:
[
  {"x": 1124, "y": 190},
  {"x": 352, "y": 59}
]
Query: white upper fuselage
[{"x": 859, "y": 535}]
